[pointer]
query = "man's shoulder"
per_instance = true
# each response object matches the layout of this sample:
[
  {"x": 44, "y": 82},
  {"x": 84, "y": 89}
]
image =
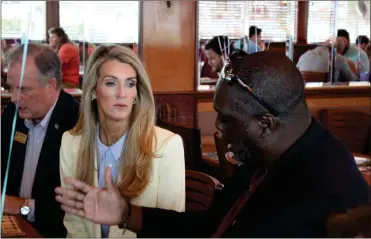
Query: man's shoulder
[
  {"x": 310, "y": 55},
  {"x": 329, "y": 153},
  {"x": 323, "y": 157},
  {"x": 68, "y": 102},
  {"x": 66, "y": 110},
  {"x": 352, "y": 51},
  {"x": 334, "y": 172}
]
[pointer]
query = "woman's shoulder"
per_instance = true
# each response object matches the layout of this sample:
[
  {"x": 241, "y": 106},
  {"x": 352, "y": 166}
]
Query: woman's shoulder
[
  {"x": 70, "y": 138},
  {"x": 164, "y": 136}
]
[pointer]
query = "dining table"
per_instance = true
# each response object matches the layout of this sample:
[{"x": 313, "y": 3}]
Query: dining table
[{"x": 26, "y": 227}]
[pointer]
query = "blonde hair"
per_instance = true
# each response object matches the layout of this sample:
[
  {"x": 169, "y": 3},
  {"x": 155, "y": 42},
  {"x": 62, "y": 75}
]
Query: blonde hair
[{"x": 141, "y": 140}]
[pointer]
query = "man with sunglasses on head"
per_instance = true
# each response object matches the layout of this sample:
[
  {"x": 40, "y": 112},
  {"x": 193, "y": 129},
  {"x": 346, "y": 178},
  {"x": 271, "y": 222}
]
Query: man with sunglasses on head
[{"x": 294, "y": 173}]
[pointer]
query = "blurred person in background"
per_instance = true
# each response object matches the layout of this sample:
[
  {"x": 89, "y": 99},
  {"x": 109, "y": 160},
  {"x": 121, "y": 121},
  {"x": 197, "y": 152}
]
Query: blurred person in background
[
  {"x": 316, "y": 60},
  {"x": 217, "y": 49},
  {"x": 206, "y": 69},
  {"x": 253, "y": 44},
  {"x": 69, "y": 56},
  {"x": 353, "y": 53},
  {"x": 364, "y": 43}
]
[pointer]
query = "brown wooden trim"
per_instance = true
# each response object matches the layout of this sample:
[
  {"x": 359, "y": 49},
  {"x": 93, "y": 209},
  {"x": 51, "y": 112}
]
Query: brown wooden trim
[
  {"x": 52, "y": 16},
  {"x": 302, "y": 26},
  {"x": 312, "y": 92},
  {"x": 197, "y": 48},
  {"x": 140, "y": 37},
  {"x": 338, "y": 91},
  {"x": 205, "y": 95},
  {"x": 334, "y": 91}
]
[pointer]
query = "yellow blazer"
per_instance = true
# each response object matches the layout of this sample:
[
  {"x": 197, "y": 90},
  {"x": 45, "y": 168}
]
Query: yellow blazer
[{"x": 166, "y": 187}]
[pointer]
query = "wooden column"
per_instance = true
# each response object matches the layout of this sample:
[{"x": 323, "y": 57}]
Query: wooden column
[
  {"x": 168, "y": 44},
  {"x": 52, "y": 15},
  {"x": 303, "y": 7}
]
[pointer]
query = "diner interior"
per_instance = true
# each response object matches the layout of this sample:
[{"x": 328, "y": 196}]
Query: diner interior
[{"x": 172, "y": 39}]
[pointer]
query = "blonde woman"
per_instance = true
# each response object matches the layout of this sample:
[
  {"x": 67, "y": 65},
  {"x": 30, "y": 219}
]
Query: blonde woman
[{"x": 116, "y": 129}]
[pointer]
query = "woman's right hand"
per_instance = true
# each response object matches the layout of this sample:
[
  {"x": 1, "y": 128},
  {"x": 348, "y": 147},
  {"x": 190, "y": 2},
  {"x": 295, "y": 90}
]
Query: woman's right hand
[{"x": 103, "y": 206}]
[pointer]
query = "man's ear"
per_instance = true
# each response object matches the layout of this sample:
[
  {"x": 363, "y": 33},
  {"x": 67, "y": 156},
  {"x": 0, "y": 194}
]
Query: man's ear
[
  {"x": 267, "y": 123},
  {"x": 52, "y": 83}
]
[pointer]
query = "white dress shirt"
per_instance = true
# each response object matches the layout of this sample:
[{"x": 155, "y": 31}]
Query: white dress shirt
[{"x": 35, "y": 140}]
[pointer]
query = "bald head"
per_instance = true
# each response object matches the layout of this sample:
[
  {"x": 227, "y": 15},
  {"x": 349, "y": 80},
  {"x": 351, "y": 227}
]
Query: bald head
[
  {"x": 255, "y": 134},
  {"x": 273, "y": 78}
]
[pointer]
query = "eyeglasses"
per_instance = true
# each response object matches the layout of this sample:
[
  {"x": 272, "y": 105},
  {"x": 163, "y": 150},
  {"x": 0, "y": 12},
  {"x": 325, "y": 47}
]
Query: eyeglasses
[{"x": 228, "y": 75}]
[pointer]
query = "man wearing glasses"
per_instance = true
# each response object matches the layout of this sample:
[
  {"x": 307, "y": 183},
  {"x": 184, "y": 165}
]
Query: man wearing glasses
[{"x": 293, "y": 173}]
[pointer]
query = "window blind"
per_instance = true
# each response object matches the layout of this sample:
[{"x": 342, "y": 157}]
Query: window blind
[
  {"x": 100, "y": 21},
  {"x": 16, "y": 19},
  {"x": 348, "y": 16},
  {"x": 277, "y": 19}
]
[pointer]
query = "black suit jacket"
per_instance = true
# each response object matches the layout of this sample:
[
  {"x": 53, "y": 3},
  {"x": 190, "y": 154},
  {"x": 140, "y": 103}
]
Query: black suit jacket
[
  {"x": 48, "y": 214},
  {"x": 315, "y": 177}
]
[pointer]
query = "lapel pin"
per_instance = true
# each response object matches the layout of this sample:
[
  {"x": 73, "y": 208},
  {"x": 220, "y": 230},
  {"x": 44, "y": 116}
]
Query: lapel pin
[{"x": 56, "y": 126}]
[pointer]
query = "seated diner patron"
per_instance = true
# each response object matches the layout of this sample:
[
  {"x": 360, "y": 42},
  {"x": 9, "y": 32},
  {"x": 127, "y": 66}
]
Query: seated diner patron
[
  {"x": 69, "y": 56},
  {"x": 294, "y": 172},
  {"x": 217, "y": 49},
  {"x": 363, "y": 42},
  {"x": 252, "y": 44},
  {"x": 45, "y": 112},
  {"x": 317, "y": 60},
  {"x": 353, "y": 53},
  {"x": 206, "y": 70},
  {"x": 116, "y": 129}
]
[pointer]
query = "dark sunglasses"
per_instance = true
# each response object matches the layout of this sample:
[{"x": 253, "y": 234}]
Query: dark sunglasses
[{"x": 228, "y": 75}]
